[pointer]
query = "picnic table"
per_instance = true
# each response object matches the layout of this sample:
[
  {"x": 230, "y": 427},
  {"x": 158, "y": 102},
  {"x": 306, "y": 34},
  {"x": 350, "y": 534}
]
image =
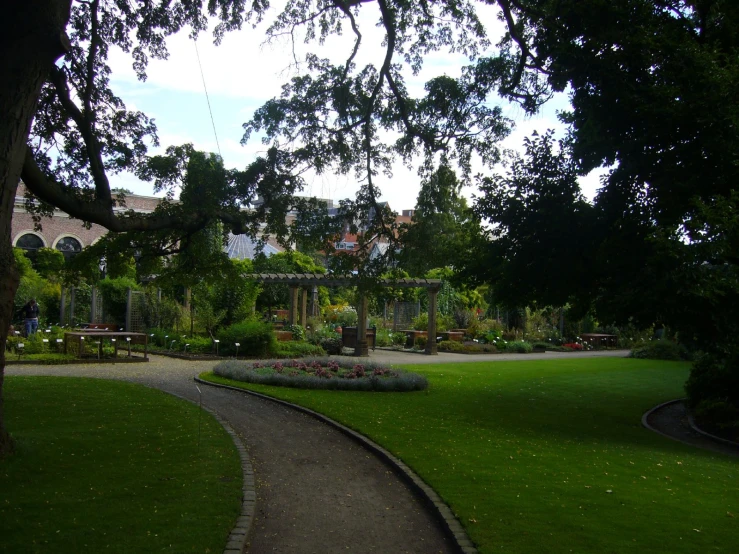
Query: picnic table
[{"x": 113, "y": 336}]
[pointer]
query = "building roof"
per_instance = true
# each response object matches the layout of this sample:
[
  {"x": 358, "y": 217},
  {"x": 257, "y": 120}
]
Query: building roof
[{"x": 242, "y": 247}]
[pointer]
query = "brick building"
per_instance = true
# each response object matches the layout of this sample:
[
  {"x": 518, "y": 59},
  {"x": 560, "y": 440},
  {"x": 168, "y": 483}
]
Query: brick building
[
  {"x": 61, "y": 231},
  {"x": 70, "y": 235}
]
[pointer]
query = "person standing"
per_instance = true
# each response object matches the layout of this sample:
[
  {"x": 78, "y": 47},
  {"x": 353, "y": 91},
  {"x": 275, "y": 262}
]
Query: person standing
[{"x": 30, "y": 314}]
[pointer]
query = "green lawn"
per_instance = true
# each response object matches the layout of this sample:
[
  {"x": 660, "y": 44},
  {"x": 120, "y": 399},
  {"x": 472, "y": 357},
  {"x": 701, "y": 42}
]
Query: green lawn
[
  {"x": 551, "y": 456},
  {"x": 106, "y": 466}
]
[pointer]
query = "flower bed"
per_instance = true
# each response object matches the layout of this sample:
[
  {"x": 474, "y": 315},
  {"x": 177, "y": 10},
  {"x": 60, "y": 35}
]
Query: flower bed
[{"x": 322, "y": 373}]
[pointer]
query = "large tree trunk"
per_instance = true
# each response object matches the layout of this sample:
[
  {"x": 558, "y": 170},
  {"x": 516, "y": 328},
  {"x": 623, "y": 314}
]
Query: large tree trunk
[{"x": 32, "y": 37}]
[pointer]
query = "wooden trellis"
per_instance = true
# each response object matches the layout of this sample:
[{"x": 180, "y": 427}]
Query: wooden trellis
[{"x": 305, "y": 281}]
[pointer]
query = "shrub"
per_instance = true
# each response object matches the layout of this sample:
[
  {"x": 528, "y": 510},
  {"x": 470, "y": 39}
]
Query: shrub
[
  {"x": 298, "y": 331},
  {"x": 331, "y": 345},
  {"x": 420, "y": 343},
  {"x": 293, "y": 349},
  {"x": 398, "y": 339},
  {"x": 443, "y": 322},
  {"x": 719, "y": 414},
  {"x": 478, "y": 329},
  {"x": 383, "y": 337},
  {"x": 450, "y": 346},
  {"x": 519, "y": 347},
  {"x": 33, "y": 344},
  {"x": 255, "y": 337},
  {"x": 198, "y": 345},
  {"x": 463, "y": 318},
  {"x": 714, "y": 378},
  {"x": 420, "y": 323},
  {"x": 115, "y": 297},
  {"x": 492, "y": 336},
  {"x": 157, "y": 336},
  {"x": 660, "y": 350},
  {"x": 474, "y": 348},
  {"x": 573, "y": 346},
  {"x": 341, "y": 314}
]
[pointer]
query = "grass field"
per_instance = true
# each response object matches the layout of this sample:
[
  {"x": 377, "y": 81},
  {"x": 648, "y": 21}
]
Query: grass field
[
  {"x": 106, "y": 466},
  {"x": 550, "y": 456}
]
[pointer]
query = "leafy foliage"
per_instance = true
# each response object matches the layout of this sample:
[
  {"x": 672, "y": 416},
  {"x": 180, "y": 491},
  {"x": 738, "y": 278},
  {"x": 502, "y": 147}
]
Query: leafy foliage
[
  {"x": 255, "y": 338},
  {"x": 660, "y": 350},
  {"x": 442, "y": 226},
  {"x": 115, "y": 297}
]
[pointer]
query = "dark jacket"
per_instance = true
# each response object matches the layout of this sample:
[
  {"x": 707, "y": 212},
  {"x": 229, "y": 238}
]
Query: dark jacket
[{"x": 30, "y": 311}]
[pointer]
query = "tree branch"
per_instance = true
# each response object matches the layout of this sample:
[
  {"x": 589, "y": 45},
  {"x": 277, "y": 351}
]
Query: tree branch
[
  {"x": 50, "y": 191},
  {"x": 97, "y": 167}
]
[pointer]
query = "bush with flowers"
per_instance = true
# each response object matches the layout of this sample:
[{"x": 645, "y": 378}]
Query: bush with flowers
[
  {"x": 342, "y": 315},
  {"x": 573, "y": 345},
  {"x": 322, "y": 373}
]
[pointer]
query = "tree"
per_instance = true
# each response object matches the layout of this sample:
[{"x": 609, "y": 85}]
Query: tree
[
  {"x": 442, "y": 226},
  {"x": 540, "y": 245}
]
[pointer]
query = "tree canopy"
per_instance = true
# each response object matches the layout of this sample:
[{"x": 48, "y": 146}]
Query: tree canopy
[{"x": 442, "y": 227}]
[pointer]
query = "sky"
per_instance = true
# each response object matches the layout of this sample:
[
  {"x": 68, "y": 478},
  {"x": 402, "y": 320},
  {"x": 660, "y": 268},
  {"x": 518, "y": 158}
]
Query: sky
[{"x": 242, "y": 73}]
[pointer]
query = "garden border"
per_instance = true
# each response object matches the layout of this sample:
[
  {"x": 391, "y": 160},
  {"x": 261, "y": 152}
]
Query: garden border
[
  {"x": 236, "y": 542},
  {"x": 691, "y": 422},
  {"x": 75, "y": 361},
  {"x": 450, "y": 524}
]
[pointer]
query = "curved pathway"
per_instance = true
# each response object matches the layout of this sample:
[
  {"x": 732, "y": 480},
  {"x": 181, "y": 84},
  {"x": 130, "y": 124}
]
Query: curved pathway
[{"x": 317, "y": 491}]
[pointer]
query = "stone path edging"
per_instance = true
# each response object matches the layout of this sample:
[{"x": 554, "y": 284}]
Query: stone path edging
[
  {"x": 691, "y": 422},
  {"x": 646, "y": 424},
  {"x": 697, "y": 429},
  {"x": 450, "y": 523},
  {"x": 236, "y": 542}
]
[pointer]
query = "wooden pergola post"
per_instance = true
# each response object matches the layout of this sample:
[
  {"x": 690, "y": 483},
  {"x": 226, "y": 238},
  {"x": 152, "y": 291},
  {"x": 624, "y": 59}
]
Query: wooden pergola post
[
  {"x": 431, "y": 339},
  {"x": 362, "y": 348},
  {"x": 293, "y": 312},
  {"x": 304, "y": 306}
]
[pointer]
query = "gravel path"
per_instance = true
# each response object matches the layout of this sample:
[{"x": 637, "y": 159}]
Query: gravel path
[{"x": 317, "y": 491}]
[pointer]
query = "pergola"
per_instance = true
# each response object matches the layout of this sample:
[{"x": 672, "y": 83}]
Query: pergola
[{"x": 304, "y": 281}]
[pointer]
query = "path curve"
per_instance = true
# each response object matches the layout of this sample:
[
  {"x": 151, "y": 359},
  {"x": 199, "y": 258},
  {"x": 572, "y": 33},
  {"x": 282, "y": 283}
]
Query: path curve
[
  {"x": 671, "y": 420},
  {"x": 317, "y": 491}
]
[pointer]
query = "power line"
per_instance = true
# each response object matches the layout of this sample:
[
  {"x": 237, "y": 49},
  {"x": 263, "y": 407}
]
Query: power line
[{"x": 207, "y": 98}]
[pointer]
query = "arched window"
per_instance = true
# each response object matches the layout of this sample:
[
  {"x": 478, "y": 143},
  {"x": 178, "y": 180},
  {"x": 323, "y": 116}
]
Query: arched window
[
  {"x": 69, "y": 246},
  {"x": 29, "y": 242}
]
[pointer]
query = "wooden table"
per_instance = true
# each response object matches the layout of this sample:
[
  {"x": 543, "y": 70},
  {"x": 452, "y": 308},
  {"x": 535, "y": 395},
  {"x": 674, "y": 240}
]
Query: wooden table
[{"x": 113, "y": 336}]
